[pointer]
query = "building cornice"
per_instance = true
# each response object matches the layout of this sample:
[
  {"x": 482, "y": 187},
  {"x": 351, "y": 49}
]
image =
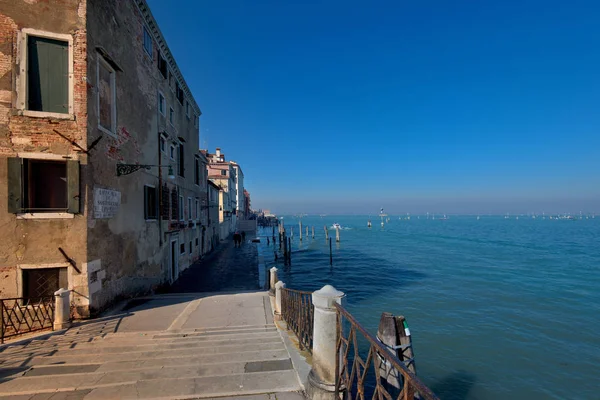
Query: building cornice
[{"x": 152, "y": 25}]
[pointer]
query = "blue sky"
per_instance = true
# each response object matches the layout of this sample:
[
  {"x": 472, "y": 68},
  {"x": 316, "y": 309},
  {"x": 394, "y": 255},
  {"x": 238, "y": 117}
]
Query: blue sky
[{"x": 442, "y": 106}]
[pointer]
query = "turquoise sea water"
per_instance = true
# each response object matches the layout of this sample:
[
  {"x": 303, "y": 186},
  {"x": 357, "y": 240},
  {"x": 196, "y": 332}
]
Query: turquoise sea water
[{"x": 498, "y": 308}]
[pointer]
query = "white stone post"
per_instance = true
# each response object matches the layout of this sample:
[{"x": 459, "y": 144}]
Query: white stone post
[
  {"x": 272, "y": 280},
  {"x": 62, "y": 309},
  {"x": 321, "y": 379},
  {"x": 278, "y": 286}
]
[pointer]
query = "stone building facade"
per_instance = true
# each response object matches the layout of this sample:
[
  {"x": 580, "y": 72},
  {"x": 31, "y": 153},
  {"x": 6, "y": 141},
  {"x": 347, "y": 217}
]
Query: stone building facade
[{"x": 95, "y": 116}]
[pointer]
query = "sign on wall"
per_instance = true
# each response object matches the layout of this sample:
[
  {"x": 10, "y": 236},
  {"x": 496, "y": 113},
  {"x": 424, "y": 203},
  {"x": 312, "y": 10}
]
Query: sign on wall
[{"x": 106, "y": 203}]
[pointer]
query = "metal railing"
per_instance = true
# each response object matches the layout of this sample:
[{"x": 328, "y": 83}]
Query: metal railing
[
  {"x": 24, "y": 315},
  {"x": 380, "y": 375},
  {"x": 297, "y": 311}
]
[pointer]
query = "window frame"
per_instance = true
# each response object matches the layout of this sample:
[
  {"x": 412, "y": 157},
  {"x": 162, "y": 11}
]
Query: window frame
[
  {"x": 181, "y": 160},
  {"x": 146, "y": 216},
  {"x": 190, "y": 209},
  {"x": 146, "y": 31},
  {"x": 158, "y": 61},
  {"x": 173, "y": 151},
  {"x": 197, "y": 170},
  {"x": 113, "y": 85},
  {"x": 171, "y": 116},
  {"x": 181, "y": 253},
  {"x": 73, "y": 187},
  {"x": 22, "y": 84},
  {"x": 163, "y": 103},
  {"x": 190, "y": 250},
  {"x": 197, "y": 210}
]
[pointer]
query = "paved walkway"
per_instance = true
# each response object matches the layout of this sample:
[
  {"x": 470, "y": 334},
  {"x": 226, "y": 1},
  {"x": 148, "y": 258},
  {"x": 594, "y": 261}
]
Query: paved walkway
[
  {"x": 226, "y": 268},
  {"x": 171, "y": 346}
]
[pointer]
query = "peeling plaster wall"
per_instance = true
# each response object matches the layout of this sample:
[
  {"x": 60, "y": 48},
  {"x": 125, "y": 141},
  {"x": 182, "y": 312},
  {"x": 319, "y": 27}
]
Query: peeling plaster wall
[
  {"x": 36, "y": 241},
  {"x": 132, "y": 254}
]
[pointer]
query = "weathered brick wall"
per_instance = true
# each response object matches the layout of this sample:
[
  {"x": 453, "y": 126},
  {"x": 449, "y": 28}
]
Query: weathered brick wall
[{"x": 34, "y": 242}]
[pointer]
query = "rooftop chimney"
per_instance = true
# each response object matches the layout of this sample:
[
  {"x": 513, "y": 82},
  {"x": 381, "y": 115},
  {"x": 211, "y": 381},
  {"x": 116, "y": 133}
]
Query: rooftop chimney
[{"x": 218, "y": 152}]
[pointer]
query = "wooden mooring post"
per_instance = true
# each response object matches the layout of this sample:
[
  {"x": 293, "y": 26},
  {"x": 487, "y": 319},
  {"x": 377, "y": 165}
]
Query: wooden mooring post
[
  {"x": 300, "y": 226},
  {"x": 285, "y": 247},
  {"x": 313, "y": 231},
  {"x": 290, "y": 251},
  {"x": 307, "y": 231},
  {"x": 337, "y": 234},
  {"x": 326, "y": 233},
  {"x": 330, "y": 253},
  {"x": 393, "y": 332}
]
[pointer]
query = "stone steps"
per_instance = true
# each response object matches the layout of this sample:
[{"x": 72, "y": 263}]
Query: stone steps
[
  {"x": 159, "y": 350},
  {"x": 161, "y": 388}
]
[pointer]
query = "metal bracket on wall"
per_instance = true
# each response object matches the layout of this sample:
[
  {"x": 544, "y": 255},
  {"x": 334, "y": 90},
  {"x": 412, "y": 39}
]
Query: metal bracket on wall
[
  {"x": 69, "y": 260},
  {"x": 74, "y": 143}
]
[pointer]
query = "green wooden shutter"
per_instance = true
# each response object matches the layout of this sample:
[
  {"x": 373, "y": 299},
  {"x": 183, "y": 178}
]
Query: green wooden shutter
[
  {"x": 73, "y": 192},
  {"x": 48, "y": 75},
  {"x": 15, "y": 184}
]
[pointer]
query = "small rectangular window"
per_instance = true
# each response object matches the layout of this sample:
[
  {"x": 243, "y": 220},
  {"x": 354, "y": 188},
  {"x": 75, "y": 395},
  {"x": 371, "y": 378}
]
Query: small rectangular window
[
  {"x": 179, "y": 93},
  {"x": 47, "y": 75},
  {"x": 107, "y": 111},
  {"x": 43, "y": 185},
  {"x": 150, "y": 203},
  {"x": 171, "y": 115},
  {"x": 196, "y": 170},
  {"x": 190, "y": 208},
  {"x": 147, "y": 42},
  {"x": 182, "y": 248},
  {"x": 181, "y": 163},
  {"x": 196, "y": 242},
  {"x": 163, "y": 144},
  {"x": 187, "y": 109},
  {"x": 172, "y": 153},
  {"x": 223, "y": 172},
  {"x": 197, "y": 215},
  {"x": 162, "y": 66},
  {"x": 181, "y": 217},
  {"x": 190, "y": 247},
  {"x": 162, "y": 107}
]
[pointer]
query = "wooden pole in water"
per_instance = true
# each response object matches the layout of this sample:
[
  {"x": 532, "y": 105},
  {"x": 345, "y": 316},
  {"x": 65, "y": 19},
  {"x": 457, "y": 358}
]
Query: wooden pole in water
[
  {"x": 285, "y": 247},
  {"x": 307, "y": 231},
  {"x": 330, "y": 254},
  {"x": 290, "y": 251},
  {"x": 326, "y": 233},
  {"x": 337, "y": 234},
  {"x": 292, "y": 232},
  {"x": 300, "y": 223},
  {"x": 313, "y": 231}
]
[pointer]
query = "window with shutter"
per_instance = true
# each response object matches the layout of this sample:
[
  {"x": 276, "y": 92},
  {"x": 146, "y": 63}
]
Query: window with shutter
[
  {"x": 181, "y": 164},
  {"x": 107, "y": 111},
  {"x": 43, "y": 186},
  {"x": 150, "y": 203},
  {"x": 47, "y": 75}
]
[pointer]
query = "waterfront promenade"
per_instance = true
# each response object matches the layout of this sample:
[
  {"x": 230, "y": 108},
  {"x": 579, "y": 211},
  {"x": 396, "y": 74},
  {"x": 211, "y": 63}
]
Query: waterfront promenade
[{"x": 180, "y": 345}]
